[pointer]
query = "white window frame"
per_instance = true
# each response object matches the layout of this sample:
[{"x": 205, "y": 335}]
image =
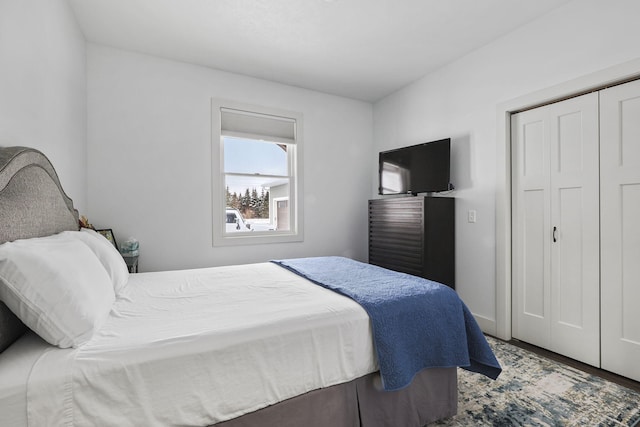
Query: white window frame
[{"x": 220, "y": 236}]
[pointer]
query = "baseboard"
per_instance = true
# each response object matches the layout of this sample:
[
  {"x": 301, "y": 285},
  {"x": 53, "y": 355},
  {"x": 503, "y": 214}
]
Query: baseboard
[{"x": 487, "y": 325}]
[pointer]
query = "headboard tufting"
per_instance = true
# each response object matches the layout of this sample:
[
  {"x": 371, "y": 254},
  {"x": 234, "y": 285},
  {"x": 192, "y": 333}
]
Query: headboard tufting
[{"x": 32, "y": 204}]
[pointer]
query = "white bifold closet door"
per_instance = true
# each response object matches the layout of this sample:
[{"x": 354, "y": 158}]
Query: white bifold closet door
[
  {"x": 555, "y": 220},
  {"x": 620, "y": 228}
]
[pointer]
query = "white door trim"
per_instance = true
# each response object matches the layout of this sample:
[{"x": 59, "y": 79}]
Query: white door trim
[{"x": 597, "y": 80}]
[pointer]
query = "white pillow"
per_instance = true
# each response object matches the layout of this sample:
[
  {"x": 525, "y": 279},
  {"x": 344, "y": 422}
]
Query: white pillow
[
  {"x": 107, "y": 254},
  {"x": 57, "y": 287}
]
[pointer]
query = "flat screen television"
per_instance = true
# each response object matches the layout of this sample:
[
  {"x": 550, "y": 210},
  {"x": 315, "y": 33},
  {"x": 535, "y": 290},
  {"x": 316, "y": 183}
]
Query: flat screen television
[{"x": 421, "y": 168}]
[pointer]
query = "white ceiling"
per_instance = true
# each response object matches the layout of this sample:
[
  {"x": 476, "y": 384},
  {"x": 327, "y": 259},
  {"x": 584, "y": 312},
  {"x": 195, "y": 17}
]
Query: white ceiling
[{"x": 362, "y": 49}]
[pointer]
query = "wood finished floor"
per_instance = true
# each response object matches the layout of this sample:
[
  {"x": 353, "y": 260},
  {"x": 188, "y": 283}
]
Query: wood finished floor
[{"x": 623, "y": 381}]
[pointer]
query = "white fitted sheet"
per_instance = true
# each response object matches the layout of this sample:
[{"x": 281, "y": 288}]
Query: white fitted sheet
[
  {"x": 15, "y": 365},
  {"x": 197, "y": 347}
]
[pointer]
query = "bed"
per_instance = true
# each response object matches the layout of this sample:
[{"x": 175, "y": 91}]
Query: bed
[{"x": 227, "y": 346}]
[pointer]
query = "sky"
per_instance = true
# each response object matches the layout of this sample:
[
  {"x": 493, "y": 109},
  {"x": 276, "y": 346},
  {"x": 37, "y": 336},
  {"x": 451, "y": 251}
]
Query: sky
[{"x": 252, "y": 157}]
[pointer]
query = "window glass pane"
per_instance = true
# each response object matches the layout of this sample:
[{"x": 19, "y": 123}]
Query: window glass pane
[
  {"x": 256, "y": 201},
  {"x": 254, "y": 157}
]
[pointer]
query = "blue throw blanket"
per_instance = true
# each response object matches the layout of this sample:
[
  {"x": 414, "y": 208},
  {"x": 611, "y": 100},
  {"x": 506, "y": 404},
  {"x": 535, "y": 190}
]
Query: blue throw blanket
[{"x": 416, "y": 323}]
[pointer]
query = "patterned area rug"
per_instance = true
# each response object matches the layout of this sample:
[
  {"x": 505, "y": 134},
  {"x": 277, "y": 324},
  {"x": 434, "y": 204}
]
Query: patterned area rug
[{"x": 535, "y": 391}]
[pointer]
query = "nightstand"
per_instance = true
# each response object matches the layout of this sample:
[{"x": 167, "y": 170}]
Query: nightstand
[{"x": 132, "y": 263}]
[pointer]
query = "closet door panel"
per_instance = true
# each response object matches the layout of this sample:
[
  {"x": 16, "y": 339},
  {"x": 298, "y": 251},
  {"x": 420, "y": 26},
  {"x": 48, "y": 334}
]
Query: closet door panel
[
  {"x": 620, "y": 228},
  {"x": 534, "y": 255},
  {"x": 630, "y": 246},
  {"x": 530, "y": 216},
  {"x": 629, "y": 111},
  {"x": 570, "y": 152},
  {"x": 575, "y": 246},
  {"x": 556, "y": 228},
  {"x": 534, "y": 151},
  {"x": 570, "y": 294}
]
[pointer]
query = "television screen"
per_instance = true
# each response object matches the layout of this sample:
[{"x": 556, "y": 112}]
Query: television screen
[{"x": 422, "y": 168}]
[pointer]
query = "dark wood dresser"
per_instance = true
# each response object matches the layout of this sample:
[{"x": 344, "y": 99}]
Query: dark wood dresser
[{"x": 414, "y": 235}]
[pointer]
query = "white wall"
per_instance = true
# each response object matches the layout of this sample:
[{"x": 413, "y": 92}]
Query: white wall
[
  {"x": 460, "y": 101},
  {"x": 43, "y": 87},
  {"x": 149, "y": 160}
]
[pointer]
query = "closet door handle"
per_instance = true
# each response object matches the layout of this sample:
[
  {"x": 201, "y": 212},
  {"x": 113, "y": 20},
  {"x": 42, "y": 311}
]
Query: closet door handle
[{"x": 555, "y": 230}]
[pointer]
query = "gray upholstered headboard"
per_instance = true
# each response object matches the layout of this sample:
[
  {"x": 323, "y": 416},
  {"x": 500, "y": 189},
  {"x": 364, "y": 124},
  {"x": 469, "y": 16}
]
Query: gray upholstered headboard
[{"x": 32, "y": 204}]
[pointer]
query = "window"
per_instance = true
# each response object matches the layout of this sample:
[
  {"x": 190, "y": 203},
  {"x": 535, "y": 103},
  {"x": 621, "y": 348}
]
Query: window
[{"x": 257, "y": 195}]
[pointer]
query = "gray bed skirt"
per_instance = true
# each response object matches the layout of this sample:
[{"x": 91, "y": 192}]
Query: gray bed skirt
[{"x": 432, "y": 395}]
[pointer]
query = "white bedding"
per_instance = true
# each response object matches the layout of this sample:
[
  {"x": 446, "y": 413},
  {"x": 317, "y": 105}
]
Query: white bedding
[
  {"x": 15, "y": 365},
  {"x": 197, "y": 347}
]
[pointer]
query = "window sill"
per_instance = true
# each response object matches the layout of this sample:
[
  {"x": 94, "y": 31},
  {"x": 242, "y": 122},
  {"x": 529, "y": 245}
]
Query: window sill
[{"x": 251, "y": 238}]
